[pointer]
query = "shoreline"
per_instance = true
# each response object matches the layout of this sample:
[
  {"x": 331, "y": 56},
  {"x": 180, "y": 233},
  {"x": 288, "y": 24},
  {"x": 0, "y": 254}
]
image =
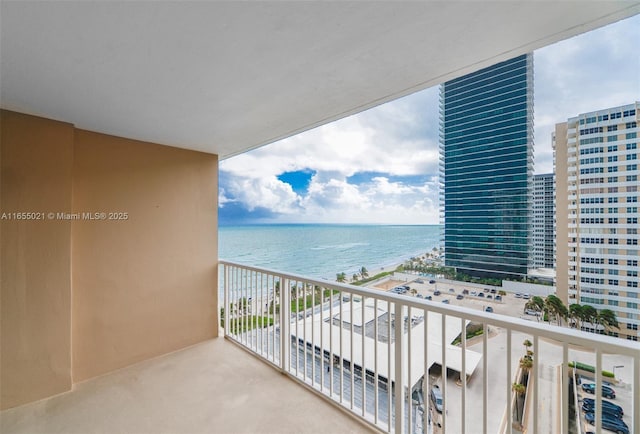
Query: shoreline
[{"x": 430, "y": 255}]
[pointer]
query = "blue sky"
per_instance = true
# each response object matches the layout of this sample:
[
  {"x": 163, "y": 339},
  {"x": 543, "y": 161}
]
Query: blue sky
[{"x": 381, "y": 166}]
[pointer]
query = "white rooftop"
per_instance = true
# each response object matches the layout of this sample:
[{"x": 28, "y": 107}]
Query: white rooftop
[{"x": 309, "y": 328}]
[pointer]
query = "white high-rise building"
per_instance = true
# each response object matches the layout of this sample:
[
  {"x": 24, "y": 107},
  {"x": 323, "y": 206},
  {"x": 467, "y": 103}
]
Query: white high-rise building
[
  {"x": 596, "y": 159},
  {"x": 543, "y": 221}
]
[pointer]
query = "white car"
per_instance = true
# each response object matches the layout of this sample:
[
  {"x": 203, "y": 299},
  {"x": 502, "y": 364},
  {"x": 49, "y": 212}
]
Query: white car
[{"x": 474, "y": 293}]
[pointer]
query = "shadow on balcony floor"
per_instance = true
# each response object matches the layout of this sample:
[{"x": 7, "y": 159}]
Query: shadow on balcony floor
[{"x": 213, "y": 387}]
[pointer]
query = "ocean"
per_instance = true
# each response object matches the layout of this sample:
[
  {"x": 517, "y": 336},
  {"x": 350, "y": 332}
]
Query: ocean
[{"x": 322, "y": 251}]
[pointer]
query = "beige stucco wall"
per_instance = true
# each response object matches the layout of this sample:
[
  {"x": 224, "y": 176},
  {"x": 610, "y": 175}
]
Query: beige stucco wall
[
  {"x": 146, "y": 285},
  {"x": 80, "y": 297},
  {"x": 36, "y": 176}
]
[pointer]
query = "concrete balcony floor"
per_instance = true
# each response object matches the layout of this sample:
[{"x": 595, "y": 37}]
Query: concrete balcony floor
[{"x": 212, "y": 387}]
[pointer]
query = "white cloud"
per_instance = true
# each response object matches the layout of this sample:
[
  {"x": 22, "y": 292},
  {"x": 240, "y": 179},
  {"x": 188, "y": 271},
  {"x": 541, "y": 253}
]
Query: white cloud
[{"x": 269, "y": 193}]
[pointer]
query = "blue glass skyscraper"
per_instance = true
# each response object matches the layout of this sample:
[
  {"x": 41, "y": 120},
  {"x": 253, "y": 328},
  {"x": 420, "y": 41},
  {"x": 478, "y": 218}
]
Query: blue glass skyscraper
[{"x": 486, "y": 142}]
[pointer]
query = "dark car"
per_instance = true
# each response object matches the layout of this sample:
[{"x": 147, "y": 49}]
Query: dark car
[
  {"x": 445, "y": 301},
  {"x": 590, "y": 402},
  {"x": 606, "y": 411},
  {"x": 428, "y": 297},
  {"x": 452, "y": 290},
  {"x": 498, "y": 298},
  {"x": 607, "y": 391},
  {"x": 610, "y": 423},
  {"x": 493, "y": 290},
  {"x": 436, "y": 292},
  {"x": 432, "y": 281},
  {"x": 488, "y": 309},
  {"x": 489, "y": 296},
  {"x": 459, "y": 297},
  {"x": 481, "y": 294},
  {"x": 465, "y": 291}
]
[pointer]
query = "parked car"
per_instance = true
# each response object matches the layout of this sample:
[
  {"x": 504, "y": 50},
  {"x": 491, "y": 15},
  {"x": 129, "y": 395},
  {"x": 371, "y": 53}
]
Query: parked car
[
  {"x": 436, "y": 398},
  {"x": 488, "y": 309},
  {"x": 419, "y": 296},
  {"x": 419, "y": 281},
  {"x": 432, "y": 281},
  {"x": 609, "y": 423},
  {"x": 428, "y": 297},
  {"x": 526, "y": 296},
  {"x": 493, "y": 290},
  {"x": 465, "y": 291},
  {"x": 498, "y": 298},
  {"x": 518, "y": 295},
  {"x": 607, "y": 391},
  {"x": 452, "y": 290},
  {"x": 436, "y": 292},
  {"x": 481, "y": 294},
  {"x": 445, "y": 301},
  {"x": 531, "y": 312},
  {"x": 590, "y": 402},
  {"x": 459, "y": 297},
  {"x": 486, "y": 290},
  {"x": 474, "y": 293},
  {"x": 605, "y": 410},
  {"x": 489, "y": 296}
]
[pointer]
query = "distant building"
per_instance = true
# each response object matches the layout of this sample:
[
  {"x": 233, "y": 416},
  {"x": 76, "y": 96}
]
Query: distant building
[
  {"x": 543, "y": 219},
  {"x": 486, "y": 142},
  {"x": 596, "y": 161}
]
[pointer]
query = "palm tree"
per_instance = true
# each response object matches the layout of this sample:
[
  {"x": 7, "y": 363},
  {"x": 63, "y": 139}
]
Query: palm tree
[
  {"x": 589, "y": 314},
  {"x": 576, "y": 314},
  {"x": 354, "y": 278},
  {"x": 526, "y": 363},
  {"x": 341, "y": 277},
  {"x": 536, "y": 303},
  {"x": 556, "y": 307},
  {"x": 607, "y": 318},
  {"x": 527, "y": 344},
  {"x": 364, "y": 273},
  {"x": 519, "y": 390}
]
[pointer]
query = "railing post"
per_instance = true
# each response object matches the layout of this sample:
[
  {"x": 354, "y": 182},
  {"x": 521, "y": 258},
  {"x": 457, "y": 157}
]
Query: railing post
[
  {"x": 399, "y": 371},
  {"x": 285, "y": 320},
  {"x": 227, "y": 312}
]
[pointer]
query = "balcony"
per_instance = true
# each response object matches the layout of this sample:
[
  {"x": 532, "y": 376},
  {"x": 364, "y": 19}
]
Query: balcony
[
  {"x": 213, "y": 386},
  {"x": 343, "y": 343},
  {"x": 313, "y": 380}
]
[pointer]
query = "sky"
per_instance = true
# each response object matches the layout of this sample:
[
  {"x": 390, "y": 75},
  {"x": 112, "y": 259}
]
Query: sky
[{"x": 381, "y": 166}]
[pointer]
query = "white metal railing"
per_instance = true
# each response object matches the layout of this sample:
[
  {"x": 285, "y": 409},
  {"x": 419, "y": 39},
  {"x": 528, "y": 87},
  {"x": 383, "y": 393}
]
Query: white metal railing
[{"x": 344, "y": 342}]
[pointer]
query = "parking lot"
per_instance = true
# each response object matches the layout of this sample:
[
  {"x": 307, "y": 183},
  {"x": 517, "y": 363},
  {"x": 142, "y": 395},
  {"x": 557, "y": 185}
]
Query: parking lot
[
  {"x": 449, "y": 291},
  {"x": 622, "y": 399}
]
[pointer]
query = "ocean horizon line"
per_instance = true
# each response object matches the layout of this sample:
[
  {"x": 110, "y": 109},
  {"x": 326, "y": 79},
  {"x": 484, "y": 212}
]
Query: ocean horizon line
[{"x": 326, "y": 224}]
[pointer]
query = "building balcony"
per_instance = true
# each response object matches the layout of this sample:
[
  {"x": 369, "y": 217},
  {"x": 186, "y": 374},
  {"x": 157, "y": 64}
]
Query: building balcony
[
  {"x": 213, "y": 386},
  {"x": 343, "y": 349}
]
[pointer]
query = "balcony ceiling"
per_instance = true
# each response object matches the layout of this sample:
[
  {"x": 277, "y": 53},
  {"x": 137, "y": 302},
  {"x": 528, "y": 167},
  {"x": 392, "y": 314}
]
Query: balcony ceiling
[{"x": 226, "y": 77}]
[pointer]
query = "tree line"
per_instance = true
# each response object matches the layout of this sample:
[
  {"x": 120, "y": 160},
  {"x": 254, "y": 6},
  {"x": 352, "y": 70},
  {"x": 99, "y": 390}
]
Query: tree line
[{"x": 575, "y": 315}]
